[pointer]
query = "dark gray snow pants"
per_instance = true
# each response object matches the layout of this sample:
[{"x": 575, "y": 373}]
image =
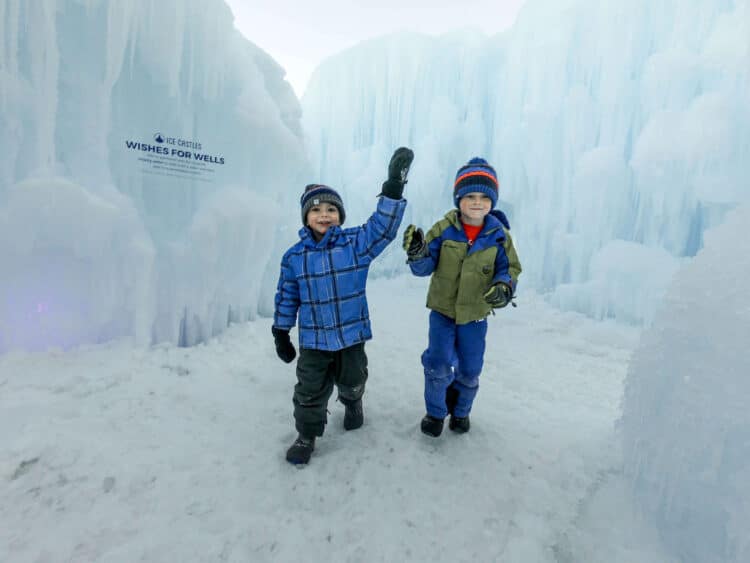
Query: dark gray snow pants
[{"x": 317, "y": 372}]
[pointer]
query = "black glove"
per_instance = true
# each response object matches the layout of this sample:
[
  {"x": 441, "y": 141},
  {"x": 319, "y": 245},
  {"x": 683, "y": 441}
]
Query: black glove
[
  {"x": 284, "y": 347},
  {"x": 499, "y": 295},
  {"x": 398, "y": 170},
  {"x": 414, "y": 243}
]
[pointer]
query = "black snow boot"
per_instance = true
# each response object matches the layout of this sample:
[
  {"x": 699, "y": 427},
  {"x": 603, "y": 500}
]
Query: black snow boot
[
  {"x": 300, "y": 452},
  {"x": 459, "y": 424},
  {"x": 353, "y": 416},
  {"x": 451, "y": 399},
  {"x": 432, "y": 426}
]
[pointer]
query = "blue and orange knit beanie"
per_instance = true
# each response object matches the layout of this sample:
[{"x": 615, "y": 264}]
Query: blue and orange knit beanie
[
  {"x": 315, "y": 194},
  {"x": 476, "y": 176}
]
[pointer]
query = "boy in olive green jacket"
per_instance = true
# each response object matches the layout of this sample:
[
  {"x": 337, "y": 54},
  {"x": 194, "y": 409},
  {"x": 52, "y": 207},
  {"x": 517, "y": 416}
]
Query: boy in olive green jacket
[{"x": 474, "y": 268}]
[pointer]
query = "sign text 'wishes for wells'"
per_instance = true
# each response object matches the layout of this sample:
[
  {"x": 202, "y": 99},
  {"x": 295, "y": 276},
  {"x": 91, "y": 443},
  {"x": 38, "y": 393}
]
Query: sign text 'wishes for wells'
[{"x": 179, "y": 148}]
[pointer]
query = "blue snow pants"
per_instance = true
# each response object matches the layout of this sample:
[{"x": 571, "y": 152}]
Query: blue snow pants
[{"x": 454, "y": 358}]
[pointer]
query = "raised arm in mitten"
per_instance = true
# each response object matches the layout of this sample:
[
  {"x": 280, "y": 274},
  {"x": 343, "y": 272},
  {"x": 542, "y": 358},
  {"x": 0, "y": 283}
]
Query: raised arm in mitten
[{"x": 398, "y": 170}]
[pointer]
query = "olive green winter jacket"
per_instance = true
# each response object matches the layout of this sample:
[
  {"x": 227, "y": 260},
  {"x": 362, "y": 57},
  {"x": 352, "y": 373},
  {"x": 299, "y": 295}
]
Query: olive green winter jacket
[{"x": 462, "y": 273}]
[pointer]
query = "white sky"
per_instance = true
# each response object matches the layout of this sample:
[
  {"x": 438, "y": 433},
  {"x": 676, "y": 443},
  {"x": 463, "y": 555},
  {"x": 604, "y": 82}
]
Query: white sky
[{"x": 300, "y": 34}]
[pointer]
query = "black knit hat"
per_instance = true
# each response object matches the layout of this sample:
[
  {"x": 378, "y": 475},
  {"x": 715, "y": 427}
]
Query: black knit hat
[
  {"x": 476, "y": 176},
  {"x": 315, "y": 194}
]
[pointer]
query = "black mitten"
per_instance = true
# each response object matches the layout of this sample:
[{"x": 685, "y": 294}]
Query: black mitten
[
  {"x": 398, "y": 170},
  {"x": 499, "y": 295},
  {"x": 284, "y": 347},
  {"x": 414, "y": 243}
]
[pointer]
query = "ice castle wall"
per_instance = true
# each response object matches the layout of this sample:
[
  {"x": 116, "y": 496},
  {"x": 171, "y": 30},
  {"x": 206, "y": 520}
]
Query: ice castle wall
[
  {"x": 148, "y": 151},
  {"x": 620, "y": 132},
  {"x": 686, "y": 422}
]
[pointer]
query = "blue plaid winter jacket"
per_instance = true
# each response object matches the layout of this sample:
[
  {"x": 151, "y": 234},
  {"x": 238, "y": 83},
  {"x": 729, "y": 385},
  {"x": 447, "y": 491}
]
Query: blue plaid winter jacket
[{"x": 325, "y": 281}]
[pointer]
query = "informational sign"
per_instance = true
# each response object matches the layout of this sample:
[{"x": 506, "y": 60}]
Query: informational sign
[{"x": 176, "y": 157}]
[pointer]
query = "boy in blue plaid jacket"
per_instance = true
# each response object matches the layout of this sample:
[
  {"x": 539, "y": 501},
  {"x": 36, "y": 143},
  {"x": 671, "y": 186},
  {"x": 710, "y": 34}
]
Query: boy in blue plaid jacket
[{"x": 322, "y": 281}]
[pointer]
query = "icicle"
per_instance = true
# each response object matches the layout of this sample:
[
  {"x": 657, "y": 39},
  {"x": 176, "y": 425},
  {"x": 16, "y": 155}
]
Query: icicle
[{"x": 41, "y": 43}]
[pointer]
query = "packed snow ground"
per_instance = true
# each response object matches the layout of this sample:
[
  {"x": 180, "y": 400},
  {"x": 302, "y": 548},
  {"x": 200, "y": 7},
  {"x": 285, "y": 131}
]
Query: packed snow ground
[{"x": 120, "y": 454}]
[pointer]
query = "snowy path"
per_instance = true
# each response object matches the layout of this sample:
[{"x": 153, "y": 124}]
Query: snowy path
[{"x": 115, "y": 454}]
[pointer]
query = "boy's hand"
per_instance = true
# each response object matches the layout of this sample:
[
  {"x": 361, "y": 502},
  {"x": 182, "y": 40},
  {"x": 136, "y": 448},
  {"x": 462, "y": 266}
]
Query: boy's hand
[
  {"x": 414, "y": 243},
  {"x": 284, "y": 347},
  {"x": 499, "y": 295},
  {"x": 398, "y": 170}
]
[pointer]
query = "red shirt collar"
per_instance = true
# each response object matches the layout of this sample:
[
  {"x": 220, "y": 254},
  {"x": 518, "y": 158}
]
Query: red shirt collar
[{"x": 472, "y": 232}]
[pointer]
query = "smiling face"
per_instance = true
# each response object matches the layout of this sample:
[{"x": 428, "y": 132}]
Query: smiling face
[
  {"x": 474, "y": 208},
  {"x": 322, "y": 217}
]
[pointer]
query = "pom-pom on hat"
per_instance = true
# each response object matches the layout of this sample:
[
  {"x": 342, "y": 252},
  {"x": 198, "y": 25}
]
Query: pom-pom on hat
[
  {"x": 476, "y": 176},
  {"x": 315, "y": 194}
]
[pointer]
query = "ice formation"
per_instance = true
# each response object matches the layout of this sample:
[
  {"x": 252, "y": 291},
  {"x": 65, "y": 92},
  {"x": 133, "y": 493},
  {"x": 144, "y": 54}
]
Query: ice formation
[
  {"x": 148, "y": 151},
  {"x": 686, "y": 422},
  {"x": 620, "y": 131}
]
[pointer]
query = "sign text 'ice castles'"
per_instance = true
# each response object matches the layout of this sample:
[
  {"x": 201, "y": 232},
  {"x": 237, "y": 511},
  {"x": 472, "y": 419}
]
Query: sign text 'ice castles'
[{"x": 172, "y": 156}]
